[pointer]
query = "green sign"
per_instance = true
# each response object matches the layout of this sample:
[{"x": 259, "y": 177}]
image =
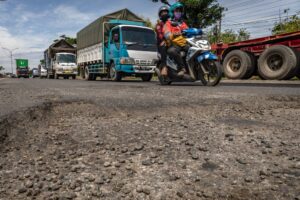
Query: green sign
[{"x": 21, "y": 63}]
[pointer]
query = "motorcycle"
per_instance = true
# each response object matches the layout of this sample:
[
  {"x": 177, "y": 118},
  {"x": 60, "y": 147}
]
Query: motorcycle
[{"x": 201, "y": 64}]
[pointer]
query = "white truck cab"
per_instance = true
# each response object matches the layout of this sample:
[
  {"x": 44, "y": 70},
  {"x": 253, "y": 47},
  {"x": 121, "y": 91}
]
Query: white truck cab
[{"x": 64, "y": 64}]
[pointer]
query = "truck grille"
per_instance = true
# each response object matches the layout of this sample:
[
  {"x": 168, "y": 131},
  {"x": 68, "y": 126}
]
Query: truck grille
[{"x": 143, "y": 62}]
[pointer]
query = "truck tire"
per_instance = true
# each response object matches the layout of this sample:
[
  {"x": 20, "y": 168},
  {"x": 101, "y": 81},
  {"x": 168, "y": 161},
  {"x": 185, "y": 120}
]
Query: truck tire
[
  {"x": 238, "y": 64},
  {"x": 277, "y": 63},
  {"x": 88, "y": 76},
  {"x": 73, "y": 77},
  {"x": 253, "y": 66},
  {"x": 114, "y": 74},
  {"x": 296, "y": 72},
  {"x": 56, "y": 76},
  {"x": 147, "y": 77}
]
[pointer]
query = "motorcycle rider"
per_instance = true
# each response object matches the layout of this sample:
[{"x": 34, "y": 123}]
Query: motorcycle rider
[
  {"x": 163, "y": 14},
  {"x": 173, "y": 34}
]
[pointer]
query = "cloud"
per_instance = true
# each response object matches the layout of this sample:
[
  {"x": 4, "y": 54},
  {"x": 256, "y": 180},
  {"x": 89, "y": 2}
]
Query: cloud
[
  {"x": 29, "y": 46},
  {"x": 69, "y": 15}
]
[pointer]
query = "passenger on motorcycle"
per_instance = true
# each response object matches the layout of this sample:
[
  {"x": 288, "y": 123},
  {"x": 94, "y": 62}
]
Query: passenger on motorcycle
[
  {"x": 173, "y": 34},
  {"x": 163, "y": 14}
]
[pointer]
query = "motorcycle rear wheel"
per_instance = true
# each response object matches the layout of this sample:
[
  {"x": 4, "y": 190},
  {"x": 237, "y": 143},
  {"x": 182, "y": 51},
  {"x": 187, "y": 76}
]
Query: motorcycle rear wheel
[{"x": 210, "y": 73}]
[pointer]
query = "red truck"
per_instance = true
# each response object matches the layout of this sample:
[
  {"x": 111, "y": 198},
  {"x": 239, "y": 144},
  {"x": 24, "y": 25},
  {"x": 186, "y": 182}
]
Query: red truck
[{"x": 272, "y": 58}]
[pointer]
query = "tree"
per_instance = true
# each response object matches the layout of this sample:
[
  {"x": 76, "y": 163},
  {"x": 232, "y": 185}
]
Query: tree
[
  {"x": 229, "y": 36},
  {"x": 70, "y": 40},
  {"x": 201, "y": 13},
  {"x": 243, "y": 34},
  {"x": 2, "y": 68},
  {"x": 288, "y": 25},
  {"x": 148, "y": 22}
]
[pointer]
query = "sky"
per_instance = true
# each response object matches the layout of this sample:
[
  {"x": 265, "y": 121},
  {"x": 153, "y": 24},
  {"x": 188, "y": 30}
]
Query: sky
[{"x": 32, "y": 25}]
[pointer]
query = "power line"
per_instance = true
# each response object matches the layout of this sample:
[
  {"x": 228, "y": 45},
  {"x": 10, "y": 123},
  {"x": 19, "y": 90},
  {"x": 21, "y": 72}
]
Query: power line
[
  {"x": 256, "y": 13},
  {"x": 247, "y": 6},
  {"x": 240, "y": 12},
  {"x": 257, "y": 21}
]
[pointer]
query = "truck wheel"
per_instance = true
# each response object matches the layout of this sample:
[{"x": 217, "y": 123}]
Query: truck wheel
[
  {"x": 296, "y": 71},
  {"x": 88, "y": 76},
  {"x": 56, "y": 76},
  {"x": 114, "y": 74},
  {"x": 73, "y": 77},
  {"x": 147, "y": 77},
  {"x": 277, "y": 62},
  {"x": 238, "y": 64},
  {"x": 251, "y": 72}
]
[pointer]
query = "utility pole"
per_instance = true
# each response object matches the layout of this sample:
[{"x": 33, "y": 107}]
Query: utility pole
[
  {"x": 220, "y": 29},
  {"x": 11, "y": 57},
  {"x": 280, "y": 21}
]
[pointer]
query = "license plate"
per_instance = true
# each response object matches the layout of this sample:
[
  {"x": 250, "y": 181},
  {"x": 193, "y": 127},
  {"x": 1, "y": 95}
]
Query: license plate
[{"x": 142, "y": 68}]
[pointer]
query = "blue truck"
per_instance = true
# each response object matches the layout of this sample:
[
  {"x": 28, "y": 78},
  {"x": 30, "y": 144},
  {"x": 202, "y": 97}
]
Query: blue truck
[{"x": 117, "y": 45}]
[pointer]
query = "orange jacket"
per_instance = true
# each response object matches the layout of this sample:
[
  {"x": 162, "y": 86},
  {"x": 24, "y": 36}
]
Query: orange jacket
[{"x": 171, "y": 32}]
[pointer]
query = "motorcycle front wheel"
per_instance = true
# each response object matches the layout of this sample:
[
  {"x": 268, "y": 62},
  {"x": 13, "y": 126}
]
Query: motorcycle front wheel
[
  {"x": 162, "y": 80},
  {"x": 210, "y": 72}
]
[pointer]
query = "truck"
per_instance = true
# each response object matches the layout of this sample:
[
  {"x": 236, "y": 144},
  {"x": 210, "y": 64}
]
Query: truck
[
  {"x": 22, "y": 68},
  {"x": 117, "y": 45},
  {"x": 42, "y": 71},
  {"x": 60, "y": 60},
  {"x": 274, "y": 57}
]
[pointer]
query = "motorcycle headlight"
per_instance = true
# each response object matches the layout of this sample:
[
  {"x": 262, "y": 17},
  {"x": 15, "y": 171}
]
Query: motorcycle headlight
[
  {"x": 204, "y": 44},
  {"x": 127, "y": 61}
]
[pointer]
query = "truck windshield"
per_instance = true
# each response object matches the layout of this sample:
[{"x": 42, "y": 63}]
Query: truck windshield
[
  {"x": 66, "y": 58},
  {"x": 139, "y": 39}
]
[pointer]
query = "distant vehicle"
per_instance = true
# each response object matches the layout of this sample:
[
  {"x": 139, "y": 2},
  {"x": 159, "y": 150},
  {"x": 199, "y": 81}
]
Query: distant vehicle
[
  {"x": 60, "y": 60},
  {"x": 35, "y": 72},
  {"x": 117, "y": 45},
  {"x": 22, "y": 68},
  {"x": 274, "y": 57},
  {"x": 42, "y": 71},
  {"x": 10, "y": 75}
]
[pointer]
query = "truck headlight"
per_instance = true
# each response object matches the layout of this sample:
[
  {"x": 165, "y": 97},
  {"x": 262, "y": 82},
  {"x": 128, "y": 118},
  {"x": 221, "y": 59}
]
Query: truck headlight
[
  {"x": 127, "y": 61},
  {"x": 154, "y": 62}
]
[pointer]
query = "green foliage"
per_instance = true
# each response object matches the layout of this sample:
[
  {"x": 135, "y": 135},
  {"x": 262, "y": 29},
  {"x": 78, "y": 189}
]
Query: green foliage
[
  {"x": 2, "y": 68},
  {"x": 42, "y": 61},
  {"x": 229, "y": 36},
  {"x": 243, "y": 34},
  {"x": 70, "y": 40},
  {"x": 202, "y": 13},
  {"x": 148, "y": 22},
  {"x": 291, "y": 24}
]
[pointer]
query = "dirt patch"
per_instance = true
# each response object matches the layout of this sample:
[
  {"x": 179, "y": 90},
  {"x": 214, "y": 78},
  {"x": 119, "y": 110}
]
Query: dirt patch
[{"x": 80, "y": 150}]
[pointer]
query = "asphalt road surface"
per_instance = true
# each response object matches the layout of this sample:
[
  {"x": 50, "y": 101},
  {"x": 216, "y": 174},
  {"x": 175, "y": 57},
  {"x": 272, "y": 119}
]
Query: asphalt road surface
[{"x": 72, "y": 139}]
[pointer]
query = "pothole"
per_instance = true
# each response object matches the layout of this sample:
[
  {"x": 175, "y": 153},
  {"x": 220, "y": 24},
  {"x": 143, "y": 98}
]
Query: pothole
[{"x": 80, "y": 150}]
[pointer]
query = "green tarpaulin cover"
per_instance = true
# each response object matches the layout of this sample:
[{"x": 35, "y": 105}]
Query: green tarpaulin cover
[{"x": 93, "y": 33}]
